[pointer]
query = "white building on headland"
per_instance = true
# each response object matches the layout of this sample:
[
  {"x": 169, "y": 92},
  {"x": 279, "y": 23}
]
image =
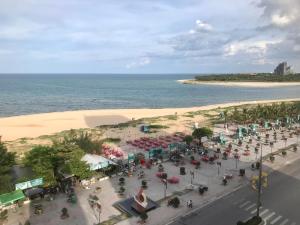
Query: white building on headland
[{"x": 283, "y": 69}]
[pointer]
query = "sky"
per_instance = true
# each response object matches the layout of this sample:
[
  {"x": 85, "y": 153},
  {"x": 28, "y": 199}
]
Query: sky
[{"x": 148, "y": 36}]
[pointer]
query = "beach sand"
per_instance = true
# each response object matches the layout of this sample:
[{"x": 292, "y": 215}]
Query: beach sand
[
  {"x": 31, "y": 126},
  {"x": 242, "y": 84}
]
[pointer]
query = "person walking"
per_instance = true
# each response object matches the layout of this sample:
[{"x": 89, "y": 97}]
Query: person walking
[{"x": 190, "y": 204}]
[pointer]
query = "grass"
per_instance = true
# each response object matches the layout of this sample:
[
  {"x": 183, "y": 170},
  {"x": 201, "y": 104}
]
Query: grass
[
  {"x": 157, "y": 126},
  {"x": 171, "y": 117},
  {"x": 111, "y": 140},
  {"x": 263, "y": 77}
]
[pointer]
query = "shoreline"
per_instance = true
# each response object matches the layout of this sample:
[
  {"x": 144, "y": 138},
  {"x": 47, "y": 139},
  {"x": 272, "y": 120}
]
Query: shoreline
[
  {"x": 35, "y": 125},
  {"x": 241, "y": 83}
]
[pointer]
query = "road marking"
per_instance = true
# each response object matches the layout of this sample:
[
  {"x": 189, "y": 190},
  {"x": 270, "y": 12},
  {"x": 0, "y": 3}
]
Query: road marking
[
  {"x": 264, "y": 212},
  {"x": 294, "y": 223},
  {"x": 276, "y": 219},
  {"x": 244, "y": 204},
  {"x": 269, "y": 216},
  {"x": 239, "y": 201},
  {"x": 251, "y": 206},
  {"x": 284, "y": 222},
  {"x": 255, "y": 210}
]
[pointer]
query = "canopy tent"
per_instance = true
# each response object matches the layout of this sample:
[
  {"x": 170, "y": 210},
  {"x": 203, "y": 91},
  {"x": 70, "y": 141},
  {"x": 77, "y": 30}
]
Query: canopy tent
[
  {"x": 96, "y": 161},
  {"x": 10, "y": 198}
]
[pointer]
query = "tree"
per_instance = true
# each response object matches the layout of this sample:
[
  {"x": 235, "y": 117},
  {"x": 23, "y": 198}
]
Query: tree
[
  {"x": 202, "y": 132},
  {"x": 7, "y": 160},
  {"x": 43, "y": 161},
  {"x": 72, "y": 164},
  {"x": 188, "y": 139},
  {"x": 83, "y": 140},
  {"x": 47, "y": 161}
]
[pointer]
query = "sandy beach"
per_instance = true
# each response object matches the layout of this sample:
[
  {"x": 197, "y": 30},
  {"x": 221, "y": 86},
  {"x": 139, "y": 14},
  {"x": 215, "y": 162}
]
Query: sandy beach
[
  {"x": 31, "y": 126},
  {"x": 242, "y": 84}
]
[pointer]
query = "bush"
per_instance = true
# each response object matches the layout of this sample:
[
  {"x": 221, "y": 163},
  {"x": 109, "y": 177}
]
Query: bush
[
  {"x": 143, "y": 216},
  {"x": 175, "y": 202},
  {"x": 283, "y": 152}
]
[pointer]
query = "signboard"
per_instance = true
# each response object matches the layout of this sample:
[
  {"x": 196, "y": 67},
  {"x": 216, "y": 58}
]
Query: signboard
[
  {"x": 204, "y": 139},
  {"x": 29, "y": 184},
  {"x": 131, "y": 158}
]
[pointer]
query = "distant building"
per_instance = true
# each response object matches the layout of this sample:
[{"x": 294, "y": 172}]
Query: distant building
[{"x": 283, "y": 69}]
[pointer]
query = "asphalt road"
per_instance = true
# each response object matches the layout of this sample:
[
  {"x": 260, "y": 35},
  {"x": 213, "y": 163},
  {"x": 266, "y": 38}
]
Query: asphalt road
[{"x": 280, "y": 203}]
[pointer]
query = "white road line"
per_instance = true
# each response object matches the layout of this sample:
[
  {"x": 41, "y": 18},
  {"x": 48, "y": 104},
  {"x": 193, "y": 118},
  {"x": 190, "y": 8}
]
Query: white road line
[
  {"x": 264, "y": 212},
  {"x": 294, "y": 223},
  {"x": 251, "y": 206},
  {"x": 269, "y": 216},
  {"x": 255, "y": 210},
  {"x": 284, "y": 222},
  {"x": 276, "y": 219},
  {"x": 239, "y": 201},
  {"x": 244, "y": 204}
]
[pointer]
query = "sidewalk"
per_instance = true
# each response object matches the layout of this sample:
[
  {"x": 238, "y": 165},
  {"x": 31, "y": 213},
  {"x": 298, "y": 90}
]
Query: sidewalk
[{"x": 165, "y": 214}]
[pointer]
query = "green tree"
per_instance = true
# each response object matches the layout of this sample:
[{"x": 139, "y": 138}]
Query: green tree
[
  {"x": 7, "y": 160},
  {"x": 188, "y": 139},
  {"x": 83, "y": 140},
  {"x": 41, "y": 159},
  {"x": 202, "y": 132},
  {"x": 72, "y": 155}
]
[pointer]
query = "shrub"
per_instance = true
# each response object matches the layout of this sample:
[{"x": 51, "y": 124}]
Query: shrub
[
  {"x": 284, "y": 152},
  {"x": 175, "y": 202},
  {"x": 143, "y": 216},
  {"x": 295, "y": 148}
]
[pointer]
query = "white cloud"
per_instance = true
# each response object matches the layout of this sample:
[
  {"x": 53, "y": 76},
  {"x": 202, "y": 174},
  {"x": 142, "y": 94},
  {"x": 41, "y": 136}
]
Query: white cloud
[
  {"x": 20, "y": 29},
  {"x": 282, "y": 20},
  {"x": 141, "y": 62},
  {"x": 202, "y": 26}
]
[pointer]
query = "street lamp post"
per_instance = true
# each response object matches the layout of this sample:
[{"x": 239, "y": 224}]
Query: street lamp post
[{"x": 259, "y": 183}]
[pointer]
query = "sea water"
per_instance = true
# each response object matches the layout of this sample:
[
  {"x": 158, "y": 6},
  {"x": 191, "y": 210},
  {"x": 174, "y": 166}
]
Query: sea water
[{"x": 22, "y": 94}]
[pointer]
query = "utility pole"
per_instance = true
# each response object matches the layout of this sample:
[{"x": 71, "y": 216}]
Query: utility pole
[{"x": 259, "y": 183}]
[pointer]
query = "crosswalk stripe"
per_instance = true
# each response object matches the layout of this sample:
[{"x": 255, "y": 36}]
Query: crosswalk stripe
[
  {"x": 239, "y": 201},
  {"x": 264, "y": 212},
  {"x": 244, "y": 204},
  {"x": 269, "y": 216},
  {"x": 255, "y": 210},
  {"x": 251, "y": 206},
  {"x": 276, "y": 219},
  {"x": 284, "y": 222}
]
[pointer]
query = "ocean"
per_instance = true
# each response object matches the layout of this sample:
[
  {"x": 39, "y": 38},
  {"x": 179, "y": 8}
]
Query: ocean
[{"x": 22, "y": 94}]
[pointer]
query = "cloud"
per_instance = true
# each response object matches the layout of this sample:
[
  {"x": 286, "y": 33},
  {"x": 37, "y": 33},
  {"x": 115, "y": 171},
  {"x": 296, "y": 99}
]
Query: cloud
[
  {"x": 201, "y": 27},
  {"x": 279, "y": 14},
  {"x": 193, "y": 34},
  {"x": 140, "y": 63}
]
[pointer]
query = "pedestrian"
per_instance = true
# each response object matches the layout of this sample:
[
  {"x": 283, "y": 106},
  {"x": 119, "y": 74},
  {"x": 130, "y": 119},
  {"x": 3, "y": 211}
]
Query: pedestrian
[{"x": 189, "y": 204}]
